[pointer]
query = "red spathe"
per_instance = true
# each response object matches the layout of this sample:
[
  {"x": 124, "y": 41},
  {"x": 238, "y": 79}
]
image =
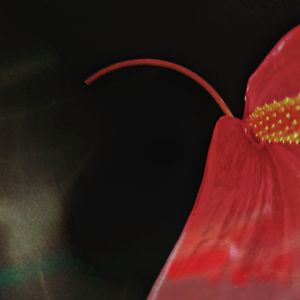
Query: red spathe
[{"x": 242, "y": 239}]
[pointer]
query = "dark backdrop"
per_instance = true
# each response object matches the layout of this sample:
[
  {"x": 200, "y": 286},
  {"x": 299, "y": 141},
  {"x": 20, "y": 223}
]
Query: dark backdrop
[{"x": 143, "y": 133}]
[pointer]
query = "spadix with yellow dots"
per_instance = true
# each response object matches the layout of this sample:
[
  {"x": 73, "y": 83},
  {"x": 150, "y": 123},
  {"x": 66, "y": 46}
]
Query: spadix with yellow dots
[{"x": 278, "y": 121}]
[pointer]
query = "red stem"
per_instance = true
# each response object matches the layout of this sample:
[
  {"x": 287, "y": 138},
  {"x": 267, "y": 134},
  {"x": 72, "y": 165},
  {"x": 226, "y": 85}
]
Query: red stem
[{"x": 163, "y": 64}]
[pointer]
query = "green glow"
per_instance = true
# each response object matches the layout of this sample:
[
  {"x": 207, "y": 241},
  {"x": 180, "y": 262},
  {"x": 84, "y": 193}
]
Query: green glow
[{"x": 32, "y": 269}]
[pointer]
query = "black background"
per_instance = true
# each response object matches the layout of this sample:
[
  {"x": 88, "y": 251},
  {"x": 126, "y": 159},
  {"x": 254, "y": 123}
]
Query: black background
[{"x": 148, "y": 129}]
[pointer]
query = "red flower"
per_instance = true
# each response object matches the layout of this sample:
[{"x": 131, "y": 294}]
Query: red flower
[{"x": 242, "y": 239}]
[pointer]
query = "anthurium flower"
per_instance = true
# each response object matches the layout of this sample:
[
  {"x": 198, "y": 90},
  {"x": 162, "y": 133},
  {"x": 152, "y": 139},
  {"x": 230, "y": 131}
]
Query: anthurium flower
[{"x": 242, "y": 238}]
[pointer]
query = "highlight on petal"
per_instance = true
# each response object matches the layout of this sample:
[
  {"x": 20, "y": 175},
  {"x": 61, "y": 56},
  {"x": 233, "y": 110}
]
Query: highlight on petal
[
  {"x": 208, "y": 261},
  {"x": 278, "y": 76}
]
